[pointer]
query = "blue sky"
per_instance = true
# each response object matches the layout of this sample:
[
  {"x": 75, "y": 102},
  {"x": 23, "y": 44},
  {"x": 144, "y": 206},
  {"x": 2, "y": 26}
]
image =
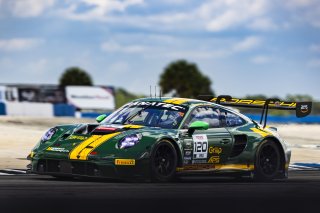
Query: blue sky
[{"x": 267, "y": 47}]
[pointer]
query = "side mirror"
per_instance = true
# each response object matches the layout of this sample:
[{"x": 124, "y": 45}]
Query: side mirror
[
  {"x": 197, "y": 125},
  {"x": 101, "y": 118}
]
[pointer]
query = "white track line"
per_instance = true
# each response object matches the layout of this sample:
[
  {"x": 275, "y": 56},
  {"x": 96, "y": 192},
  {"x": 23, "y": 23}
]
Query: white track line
[
  {"x": 15, "y": 170},
  {"x": 5, "y": 173},
  {"x": 310, "y": 146}
]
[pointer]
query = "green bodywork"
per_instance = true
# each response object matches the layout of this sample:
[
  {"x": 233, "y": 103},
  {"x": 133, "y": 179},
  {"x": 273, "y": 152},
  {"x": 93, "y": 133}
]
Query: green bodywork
[{"x": 230, "y": 149}]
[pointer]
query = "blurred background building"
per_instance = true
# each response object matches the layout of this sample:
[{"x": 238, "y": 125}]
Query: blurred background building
[{"x": 55, "y": 100}]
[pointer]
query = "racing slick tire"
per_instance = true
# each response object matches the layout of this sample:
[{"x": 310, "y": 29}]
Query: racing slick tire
[
  {"x": 163, "y": 162},
  {"x": 267, "y": 162}
]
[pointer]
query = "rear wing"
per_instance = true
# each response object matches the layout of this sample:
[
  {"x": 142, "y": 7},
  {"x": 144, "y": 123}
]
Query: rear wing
[{"x": 302, "y": 109}]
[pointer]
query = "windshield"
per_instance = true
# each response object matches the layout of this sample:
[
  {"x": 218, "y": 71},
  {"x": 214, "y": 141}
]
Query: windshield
[{"x": 153, "y": 114}]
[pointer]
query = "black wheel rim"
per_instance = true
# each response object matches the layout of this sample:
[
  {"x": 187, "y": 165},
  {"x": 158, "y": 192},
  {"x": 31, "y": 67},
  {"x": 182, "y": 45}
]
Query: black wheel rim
[
  {"x": 269, "y": 160},
  {"x": 164, "y": 161}
]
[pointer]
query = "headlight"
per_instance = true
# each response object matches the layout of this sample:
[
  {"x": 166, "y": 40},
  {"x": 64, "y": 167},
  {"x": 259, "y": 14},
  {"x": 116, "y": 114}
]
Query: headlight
[
  {"x": 129, "y": 141},
  {"x": 48, "y": 135}
]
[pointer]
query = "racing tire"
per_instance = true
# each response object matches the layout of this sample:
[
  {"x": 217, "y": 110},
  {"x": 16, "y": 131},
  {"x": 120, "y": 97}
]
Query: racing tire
[
  {"x": 267, "y": 162},
  {"x": 163, "y": 162}
]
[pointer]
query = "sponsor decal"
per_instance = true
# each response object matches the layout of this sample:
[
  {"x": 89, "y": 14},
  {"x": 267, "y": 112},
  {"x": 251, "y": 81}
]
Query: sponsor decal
[
  {"x": 304, "y": 108},
  {"x": 256, "y": 102},
  {"x": 57, "y": 149},
  {"x": 199, "y": 161},
  {"x": 188, "y": 144},
  {"x": 187, "y": 153},
  {"x": 77, "y": 137},
  {"x": 214, "y": 159},
  {"x": 125, "y": 162},
  {"x": 158, "y": 104},
  {"x": 200, "y": 146},
  {"x": 186, "y": 162},
  {"x": 199, "y": 167},
  {"x": 178, "y": 169},
  {"x": 215, "y": 150}
]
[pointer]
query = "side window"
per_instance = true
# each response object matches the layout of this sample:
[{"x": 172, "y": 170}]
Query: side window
[
  {"x": 206, "y": 114},
  {"x": 231, "y": 119}
]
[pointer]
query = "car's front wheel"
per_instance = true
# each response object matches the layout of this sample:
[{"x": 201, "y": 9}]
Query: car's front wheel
[
  {"x": 268, "y": 161},
  {"x": 163, "y": 162}
]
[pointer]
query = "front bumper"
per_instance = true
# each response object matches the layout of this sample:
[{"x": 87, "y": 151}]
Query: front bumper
[{"x": 96, "y": 169}]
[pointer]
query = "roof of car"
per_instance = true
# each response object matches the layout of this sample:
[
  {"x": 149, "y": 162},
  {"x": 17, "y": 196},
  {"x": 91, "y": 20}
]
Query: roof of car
[{"x": 188, "y": 102}]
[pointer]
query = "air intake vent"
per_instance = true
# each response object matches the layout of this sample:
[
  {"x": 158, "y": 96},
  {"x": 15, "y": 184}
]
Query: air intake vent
[{"x": 239, "y": 145}]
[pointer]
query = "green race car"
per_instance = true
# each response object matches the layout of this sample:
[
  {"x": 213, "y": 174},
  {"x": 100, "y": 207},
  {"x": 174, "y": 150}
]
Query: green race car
[{"x": 161, "y": 138}]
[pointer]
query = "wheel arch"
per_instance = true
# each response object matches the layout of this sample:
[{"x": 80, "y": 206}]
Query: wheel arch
[
  {"x": 282, "y": 152},
  {"x": 176, "y": 146}
]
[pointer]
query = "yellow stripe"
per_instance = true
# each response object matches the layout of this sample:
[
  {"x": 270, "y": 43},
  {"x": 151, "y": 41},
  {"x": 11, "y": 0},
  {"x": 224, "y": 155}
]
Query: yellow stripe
[
  {"x": 217, "y": 167},
  {"x": 74, "y": 153},
  {"x": 82, "y": 151},
  {"x": 132, "y": 126},
  {"x": 176, "y": 101},
  {"x": 83, "y": 155},
  {"x": 237, "y": 166},
  {"x": 263, "y": 133}
]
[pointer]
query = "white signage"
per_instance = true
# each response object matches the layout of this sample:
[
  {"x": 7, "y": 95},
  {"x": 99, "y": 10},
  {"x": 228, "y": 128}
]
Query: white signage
[
  {"x": 200, "y": 146},
  {"x": 90, "y": 98}
]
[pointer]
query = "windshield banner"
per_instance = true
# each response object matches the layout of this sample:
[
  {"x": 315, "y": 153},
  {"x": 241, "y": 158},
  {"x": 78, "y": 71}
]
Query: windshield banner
[{"x": 158, "y": 105}]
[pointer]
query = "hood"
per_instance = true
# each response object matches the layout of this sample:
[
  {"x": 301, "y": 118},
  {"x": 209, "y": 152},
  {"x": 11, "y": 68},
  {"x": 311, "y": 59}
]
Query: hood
[{"x": 78, "y": 142}]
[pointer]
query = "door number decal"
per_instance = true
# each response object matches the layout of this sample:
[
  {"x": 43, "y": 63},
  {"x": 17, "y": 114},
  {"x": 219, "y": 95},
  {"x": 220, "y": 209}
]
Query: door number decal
[{"x": 200, "y": 146}]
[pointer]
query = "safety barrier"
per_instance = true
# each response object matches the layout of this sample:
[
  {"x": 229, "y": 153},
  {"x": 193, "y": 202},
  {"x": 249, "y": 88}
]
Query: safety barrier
[
  {"x": 64, "y": 110},
  {"x": 2, "y": 109},
  {"x": 36, "y": 109}
]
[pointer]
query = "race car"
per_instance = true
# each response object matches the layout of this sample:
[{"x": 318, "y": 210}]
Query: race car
[{"x": 159, "y": 139}]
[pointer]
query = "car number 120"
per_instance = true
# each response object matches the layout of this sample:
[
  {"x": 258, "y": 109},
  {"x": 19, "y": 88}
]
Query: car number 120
[{"x": 200, "y": 146}]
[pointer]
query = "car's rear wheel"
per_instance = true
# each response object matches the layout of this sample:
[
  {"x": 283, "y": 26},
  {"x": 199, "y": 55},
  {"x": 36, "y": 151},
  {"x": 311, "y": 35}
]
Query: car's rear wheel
[
  {"x": 268, "y": 161},
  {"x": 163, "y": 162}
]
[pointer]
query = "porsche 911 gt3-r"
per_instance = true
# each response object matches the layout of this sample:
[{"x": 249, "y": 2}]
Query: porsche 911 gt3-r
[{"x": 162, "y": 138}]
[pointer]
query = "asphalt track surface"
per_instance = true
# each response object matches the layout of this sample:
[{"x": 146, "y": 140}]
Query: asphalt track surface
[{"x": 33, "y": 193}]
